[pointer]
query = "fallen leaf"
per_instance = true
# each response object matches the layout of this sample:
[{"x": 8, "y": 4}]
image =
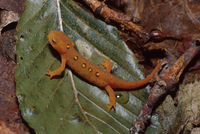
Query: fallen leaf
[
  {"x": 4, "y": 129},
  {"x": 12, "y": 5},
  {"x": 189, "y": 101},
  {"x": 68, "y": 103},
  {"x": 8, "y": 17},
  {"x": 9, "y": 111}
]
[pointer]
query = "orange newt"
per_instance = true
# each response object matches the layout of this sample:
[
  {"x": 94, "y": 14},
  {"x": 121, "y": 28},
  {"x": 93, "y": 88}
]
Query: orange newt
[{"x": 90, "y": 71}]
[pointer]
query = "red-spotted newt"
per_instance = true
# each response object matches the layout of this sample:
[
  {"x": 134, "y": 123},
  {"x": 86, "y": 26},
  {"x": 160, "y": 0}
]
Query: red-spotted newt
[{"x": 88, "y": 70}]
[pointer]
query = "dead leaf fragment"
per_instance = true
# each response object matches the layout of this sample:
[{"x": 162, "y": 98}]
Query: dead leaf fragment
[
  {"x": 4, "y": 129},
  {"x": 189, "y": 103},
  {"x": 9, "y": 111},
  {"x": 8, "y": 17},
  {"x": 14, "y": 5},
  {"x": 168, "y": 114},
  {"x": 195, "y": 131}
]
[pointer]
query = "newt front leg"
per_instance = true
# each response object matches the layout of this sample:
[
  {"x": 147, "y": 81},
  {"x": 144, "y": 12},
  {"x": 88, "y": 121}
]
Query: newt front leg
[
  {"x": 57, "y": 71},
  {"x": 107, "y": 64}
]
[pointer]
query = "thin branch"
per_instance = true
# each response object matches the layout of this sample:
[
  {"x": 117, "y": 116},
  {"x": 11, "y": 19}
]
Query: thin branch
[{"x": 109, "y": 14}]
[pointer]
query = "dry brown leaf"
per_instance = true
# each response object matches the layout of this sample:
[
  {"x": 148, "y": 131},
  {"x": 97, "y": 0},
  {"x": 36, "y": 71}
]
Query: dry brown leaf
[
  {"x": 168, "y": 115},
  {"x": 13, "y": 5},
  {"x": 9, "y": 111},
  {"x": 4, "y": 129},
  {"x": 189, "y": 103},
  {"x": 11, "y": 121},
  {"x": 8, "y": 17}
]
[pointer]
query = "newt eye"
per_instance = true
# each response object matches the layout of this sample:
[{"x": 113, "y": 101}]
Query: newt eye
[{"x": 53, "y": 40}]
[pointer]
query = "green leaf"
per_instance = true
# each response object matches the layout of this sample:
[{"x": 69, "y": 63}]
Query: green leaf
[{"x": 67, "y": 103}]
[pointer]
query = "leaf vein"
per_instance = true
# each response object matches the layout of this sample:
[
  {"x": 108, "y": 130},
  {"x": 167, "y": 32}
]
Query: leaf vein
[{"x": 50, "y": 98}]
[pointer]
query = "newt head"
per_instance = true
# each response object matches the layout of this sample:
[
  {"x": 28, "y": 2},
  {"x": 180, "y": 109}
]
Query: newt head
[{"x": 59, "y": 41}]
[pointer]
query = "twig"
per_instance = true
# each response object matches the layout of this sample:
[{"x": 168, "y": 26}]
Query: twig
[
  {"x": 194, "y": 122},
  {"x": 182, "y": 126},
  {"x": 109, "y": 14},
  {"x": 166, "y": 82}
]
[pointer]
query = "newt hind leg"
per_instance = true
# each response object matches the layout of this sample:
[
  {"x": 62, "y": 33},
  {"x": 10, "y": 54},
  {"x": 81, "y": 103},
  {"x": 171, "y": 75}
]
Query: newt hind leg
[
  {"x": 111, "y": 96},
  {"x": 107, "y": 64}
]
